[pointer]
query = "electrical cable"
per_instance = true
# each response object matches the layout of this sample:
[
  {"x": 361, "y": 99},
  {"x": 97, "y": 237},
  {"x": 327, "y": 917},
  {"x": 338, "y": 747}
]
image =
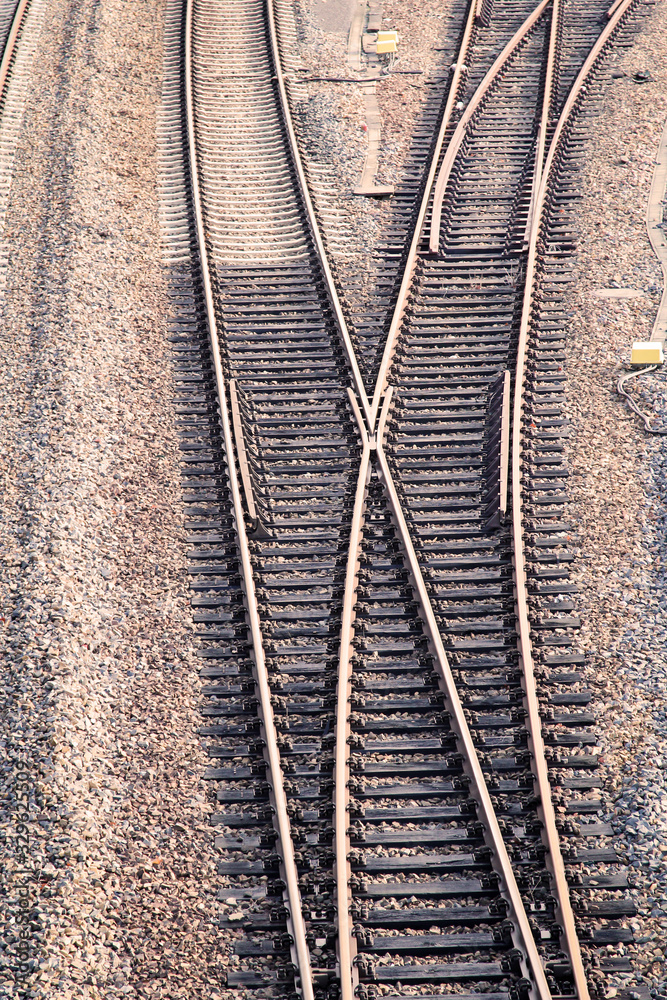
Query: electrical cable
[{"x": 631, "y": 403}]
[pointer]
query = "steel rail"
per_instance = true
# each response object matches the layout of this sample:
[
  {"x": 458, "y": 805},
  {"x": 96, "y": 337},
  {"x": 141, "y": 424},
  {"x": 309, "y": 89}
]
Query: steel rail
[
  {"x": 655, "y": 219},
  {"x": 580, "y": 81},
  {"x": 346, "y": 942},
  {"x": 504, "y": 445},
  {"x": 522, "y": 933},
  {"x": 493, "y": 836},
  {"x": 455, "y": 142},
  {"x": 550, "y": 836},
  {"x": 10, "y": 44},
  {"x": 348, "y": 975},
  {"x": 257, "y": 526},
  {"x": 288, "y": 869},
  {"x": 399, "y": 309},
  {"x": 241, "y": 451},
  {"x": 310, "y": 212},
  {"x": 547, "y": 107},
  {"x": 622, "y": 391}
]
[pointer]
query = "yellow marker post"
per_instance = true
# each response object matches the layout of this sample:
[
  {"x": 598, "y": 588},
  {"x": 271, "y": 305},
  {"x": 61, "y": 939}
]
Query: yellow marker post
[
  {"x": 387, "y": 42},
  {"x": 647, "y": 352}
]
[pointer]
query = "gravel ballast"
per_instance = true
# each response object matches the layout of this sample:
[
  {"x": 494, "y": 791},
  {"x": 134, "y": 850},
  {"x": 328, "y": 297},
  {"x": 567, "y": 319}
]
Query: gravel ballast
[
  {"x": 619, "y": 475},
  {"x": 98, "y": 734},
  {"x": 100, "y": 687},
  {"x": 619, "y": 481}
]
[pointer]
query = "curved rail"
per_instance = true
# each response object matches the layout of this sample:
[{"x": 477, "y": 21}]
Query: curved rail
[
  {"x": 655, "y": 218},
  {"x": 492, "y": 835},
  {"x": 522, "y": 933},
  {"x": 622, "y": 391},
  {"x": 346, "y": 942},
  {"x": 547, "y": 109},
  {"x": 289, "y": 874},
  {"x": 312, "y": 218},
  {"x": 475, "y": 101},
  {"x": 10, "y": 44},
  {"x": 565, "y": 916},
  {"x": 619, "y": 13},
  {"x": 399, "y": 309}
]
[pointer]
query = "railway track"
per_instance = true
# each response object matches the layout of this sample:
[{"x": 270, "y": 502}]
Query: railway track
[
  {"x": 399, "y": 724},
  {"x": 20, "y": 23}
]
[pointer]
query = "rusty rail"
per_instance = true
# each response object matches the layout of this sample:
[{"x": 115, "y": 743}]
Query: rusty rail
[
  {"x": 569, "y": 938},
  {"x": 312, "y": 218},
  {"x": 367, "y": 423},
  {"x": 10, "y": 44},
  {"x": 550, "y": 837},
  {"x": 349, "y": 977},
  {"x": 281, "y": 822},
  {"x": 522, "y": 933},
  {"x": 399, "y": 309},
  {"x": 547, "y": 109},
  {"x": 482, "y": 91},
  {"x": 655, "y": 220},
  {"x": 523, "y": 938},
  {"x": 504, "y": 445}
]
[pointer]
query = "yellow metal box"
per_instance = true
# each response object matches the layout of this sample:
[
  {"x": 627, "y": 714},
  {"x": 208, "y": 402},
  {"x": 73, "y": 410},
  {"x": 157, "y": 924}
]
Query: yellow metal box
[
  {"x": 647, "y": 352},
  {"x": 388, "y": 46}
]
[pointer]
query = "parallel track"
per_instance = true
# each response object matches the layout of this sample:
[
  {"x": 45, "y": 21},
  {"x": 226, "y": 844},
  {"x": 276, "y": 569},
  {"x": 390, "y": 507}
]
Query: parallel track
[
  {"x": 369, "y": 646},
  {"x": 12, "y": 16},
  {"x": 19, "y": 25}
]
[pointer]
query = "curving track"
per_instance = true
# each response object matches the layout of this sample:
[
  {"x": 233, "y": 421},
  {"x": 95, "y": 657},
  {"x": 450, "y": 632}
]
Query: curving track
[
  {"x": 400, "y": 732},
  {"x": 20, "y": 23}
]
